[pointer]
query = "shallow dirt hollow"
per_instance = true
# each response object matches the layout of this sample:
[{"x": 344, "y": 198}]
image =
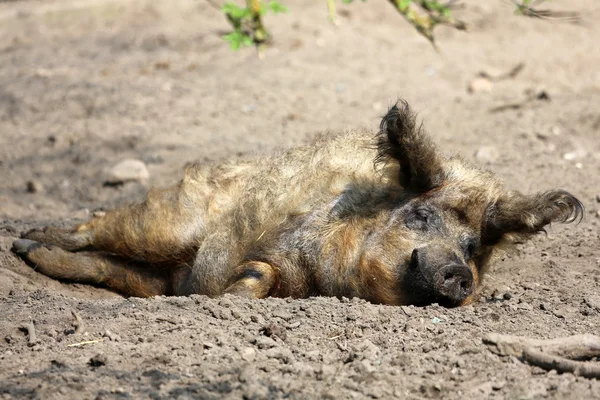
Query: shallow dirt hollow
[{"x": 86, "y": 84}]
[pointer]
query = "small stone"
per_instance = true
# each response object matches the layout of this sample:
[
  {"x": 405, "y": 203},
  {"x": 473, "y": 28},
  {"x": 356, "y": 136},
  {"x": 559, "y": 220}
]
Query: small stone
[
  {"x": 598, "y": 198},
  {"x": 248, "y": 354},
  {"x": 126, "y": 171},
  {"x": 507, "y": 296},
  {"x": 487, "y": 154},
  {"x": 34, "y": 187},
  {"x": 480, "y": 85}
]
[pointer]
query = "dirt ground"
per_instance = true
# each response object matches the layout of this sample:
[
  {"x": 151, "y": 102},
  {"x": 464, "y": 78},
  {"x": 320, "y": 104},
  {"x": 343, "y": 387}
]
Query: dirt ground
[{"x": 86, "y": 84}]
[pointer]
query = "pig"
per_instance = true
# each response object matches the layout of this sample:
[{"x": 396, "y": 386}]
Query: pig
[{"x": 384, "y": 217}]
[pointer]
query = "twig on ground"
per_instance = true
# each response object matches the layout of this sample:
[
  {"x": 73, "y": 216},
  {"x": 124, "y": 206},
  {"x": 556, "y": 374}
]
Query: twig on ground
[
  {"x": 86, "y": 342},
  {"x": 561, "y": 364},
  {"x": 551, "y": 354}
]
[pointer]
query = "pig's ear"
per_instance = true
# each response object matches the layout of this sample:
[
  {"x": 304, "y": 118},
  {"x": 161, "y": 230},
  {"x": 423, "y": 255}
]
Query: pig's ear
[
  {"x": 517, "y": 216},
  {"x": 400, "y": 139}
]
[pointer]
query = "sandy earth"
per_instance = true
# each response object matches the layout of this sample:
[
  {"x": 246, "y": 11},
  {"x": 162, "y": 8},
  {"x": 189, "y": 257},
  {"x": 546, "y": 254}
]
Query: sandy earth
[{"x": 85, "y": 84}]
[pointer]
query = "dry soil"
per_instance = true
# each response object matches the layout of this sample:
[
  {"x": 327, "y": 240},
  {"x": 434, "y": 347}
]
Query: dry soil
[{"x": 86, "y": 84}]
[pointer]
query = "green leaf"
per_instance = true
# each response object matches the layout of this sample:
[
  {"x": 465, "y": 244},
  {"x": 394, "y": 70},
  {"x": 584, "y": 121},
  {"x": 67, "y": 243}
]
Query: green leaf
[
  {"x": 247, "y": 40},
  {"x": 237, "y": 39},
  {"x": 234, "y": 11},
  {"x": 404, "y": 4},
  {"x": 277, "y": 8},
  {"x": 234, "y": 40}
]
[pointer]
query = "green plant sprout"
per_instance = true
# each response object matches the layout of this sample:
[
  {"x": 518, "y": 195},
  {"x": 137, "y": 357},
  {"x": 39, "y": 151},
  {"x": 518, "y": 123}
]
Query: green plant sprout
[
  {"x": 423, "y": 15},
  {"x": 248, "y": 28}
]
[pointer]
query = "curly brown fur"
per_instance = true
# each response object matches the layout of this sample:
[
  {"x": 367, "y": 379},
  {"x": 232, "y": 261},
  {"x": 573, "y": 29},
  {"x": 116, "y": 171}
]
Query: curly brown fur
[{"x": 383, "y": 217}]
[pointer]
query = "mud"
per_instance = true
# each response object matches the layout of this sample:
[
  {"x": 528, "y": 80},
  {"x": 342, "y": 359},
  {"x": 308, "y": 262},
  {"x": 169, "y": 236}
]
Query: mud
[{"x": 86, "y": 84}]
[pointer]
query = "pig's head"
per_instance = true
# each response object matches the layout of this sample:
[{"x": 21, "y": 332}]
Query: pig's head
[{"x": 452, "y": 217}]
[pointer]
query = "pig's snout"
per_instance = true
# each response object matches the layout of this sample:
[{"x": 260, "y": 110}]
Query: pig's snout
[{"x": 454, "y": 283}]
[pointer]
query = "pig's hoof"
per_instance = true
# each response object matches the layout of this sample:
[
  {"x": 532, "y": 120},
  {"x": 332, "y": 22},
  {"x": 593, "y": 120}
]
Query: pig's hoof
[{"x": 24, "y": 246}]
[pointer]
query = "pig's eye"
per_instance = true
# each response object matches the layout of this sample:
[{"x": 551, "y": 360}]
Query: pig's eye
[
  {"x": 422, "y": 219},
  {"x": 469, "y": 246}
]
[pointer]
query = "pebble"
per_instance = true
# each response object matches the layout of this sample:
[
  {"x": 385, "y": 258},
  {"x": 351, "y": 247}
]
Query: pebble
[
  {"x": 126, "y": 171},
  {"x": 478, "y": 85},
  {"x": 487, "y": 154},
  {"x": 598, "y": 198},
  {"x": 248, "y": 354}
]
